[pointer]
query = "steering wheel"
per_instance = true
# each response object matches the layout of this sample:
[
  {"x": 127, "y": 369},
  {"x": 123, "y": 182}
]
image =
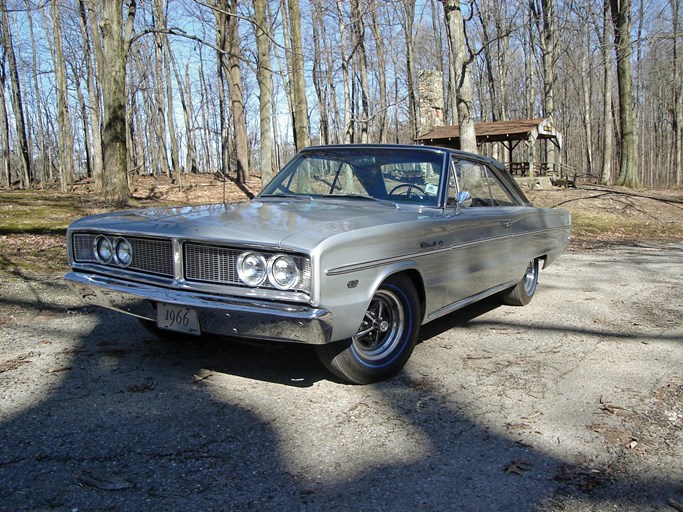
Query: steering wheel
[{"x": 420, "y": 194}]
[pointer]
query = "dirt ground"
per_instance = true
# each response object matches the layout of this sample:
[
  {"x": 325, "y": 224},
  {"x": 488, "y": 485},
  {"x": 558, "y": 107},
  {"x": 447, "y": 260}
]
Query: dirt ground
[{"x": 572, "y": 403}]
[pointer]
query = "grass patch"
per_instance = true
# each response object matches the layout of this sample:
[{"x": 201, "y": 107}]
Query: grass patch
[
  {"x": 39, "y": 212},
  {"x": 33, "y": 227}
]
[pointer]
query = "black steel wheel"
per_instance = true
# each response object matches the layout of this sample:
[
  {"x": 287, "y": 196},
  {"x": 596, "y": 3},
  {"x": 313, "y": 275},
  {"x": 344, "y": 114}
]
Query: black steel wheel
[{"x": 385, "y": 338}]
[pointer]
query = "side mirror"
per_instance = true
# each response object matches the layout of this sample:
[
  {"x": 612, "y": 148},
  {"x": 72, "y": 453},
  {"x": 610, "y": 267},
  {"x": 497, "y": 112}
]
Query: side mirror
[{"x": 460, "y": 199}]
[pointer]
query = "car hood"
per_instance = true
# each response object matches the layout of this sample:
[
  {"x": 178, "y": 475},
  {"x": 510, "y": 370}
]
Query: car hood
[{"x": 296, "y": 223}]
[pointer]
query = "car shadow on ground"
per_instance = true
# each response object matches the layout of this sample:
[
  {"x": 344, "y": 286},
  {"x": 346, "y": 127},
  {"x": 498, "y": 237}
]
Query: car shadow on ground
[{"x": 132, "y": 423}]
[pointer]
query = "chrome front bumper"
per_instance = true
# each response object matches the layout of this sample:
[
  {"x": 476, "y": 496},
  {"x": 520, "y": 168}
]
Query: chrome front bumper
[{"x": 230, "y": 316}]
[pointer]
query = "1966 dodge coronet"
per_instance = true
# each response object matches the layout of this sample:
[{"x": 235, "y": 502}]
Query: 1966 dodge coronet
[{"x": 349, "y": 248}]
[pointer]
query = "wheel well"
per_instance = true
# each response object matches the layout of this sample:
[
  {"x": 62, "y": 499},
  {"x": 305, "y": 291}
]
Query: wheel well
[
  {"x": 542, "y": 261},
  {"x": 416, "y": 278}
]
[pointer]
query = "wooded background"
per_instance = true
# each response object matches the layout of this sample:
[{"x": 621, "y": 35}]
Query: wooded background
[{"x": 104, "y": 89}]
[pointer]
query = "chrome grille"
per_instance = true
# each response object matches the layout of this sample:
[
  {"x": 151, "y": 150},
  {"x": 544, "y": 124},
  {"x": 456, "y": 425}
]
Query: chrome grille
[
  {"x": 211, "y": 264},
  {"x": 150, "y": 255},
  {"x": 218, "y": 265}
]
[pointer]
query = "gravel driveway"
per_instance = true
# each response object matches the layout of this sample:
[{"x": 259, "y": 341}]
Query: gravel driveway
[{"x": 573, "y": 402}]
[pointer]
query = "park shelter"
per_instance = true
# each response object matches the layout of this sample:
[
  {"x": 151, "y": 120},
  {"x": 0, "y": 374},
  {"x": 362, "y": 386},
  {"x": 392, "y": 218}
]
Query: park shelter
[{"x": 509, "y": 134}]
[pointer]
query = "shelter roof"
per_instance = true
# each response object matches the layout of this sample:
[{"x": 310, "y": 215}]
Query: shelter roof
[{"x": 497, "y": 131}]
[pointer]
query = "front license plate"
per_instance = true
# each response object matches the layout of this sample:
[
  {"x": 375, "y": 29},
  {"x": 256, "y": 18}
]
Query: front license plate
[{"x": 177, "y": 318}]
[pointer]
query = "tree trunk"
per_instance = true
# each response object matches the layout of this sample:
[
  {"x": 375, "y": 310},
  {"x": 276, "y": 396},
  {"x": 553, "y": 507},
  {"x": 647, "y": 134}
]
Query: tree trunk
[
  {"x": 185, "y": 102},
  {"x": 677, "y": 97},
  {"x": 407, "y": 11},
  {"x": 585, "y": 86},
  {"x": 347, "y": 131},
  {"x": 457, "y": 50},
  {"x": 65, "y": 131},
  {"x": 358, "y": 31},
  {"x": 621, "y": 14},
  {"x": 608, "y": 132},
  {"x": 236, "y": 98},
  {"x": 115, "y": 48},
  {"x": 265, "y": 85},
  {"x": 529, "y": 67},
  {"x": 95, "y": 111},
  {"x": 221, "y": 58},
  {"x": 5, "y": 174},
  {"x": 544, "y": 16},
  {"x": 300, "y": 106},
  {"x": 158, "y": 109},
  {"x": 25, "y": 168},
  {"x": 42, "y": 139},
  {"x": 381, "y": 74}
]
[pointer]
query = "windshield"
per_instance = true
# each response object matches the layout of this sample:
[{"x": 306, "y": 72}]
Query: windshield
[{"x": 400, "y": 175}]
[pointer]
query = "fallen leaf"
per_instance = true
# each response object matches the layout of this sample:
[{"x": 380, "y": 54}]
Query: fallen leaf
[
  {"x": 675, "y": 504},
  {"x": 517, "y": 467},
  {"x": 103, "y": 481},
  {"x": 147, "y": 385}
]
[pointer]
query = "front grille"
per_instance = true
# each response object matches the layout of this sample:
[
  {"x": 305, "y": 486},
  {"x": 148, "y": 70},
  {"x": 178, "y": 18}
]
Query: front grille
[
  {"x": 150, "y": 255},
  {"x": 218, "y": 265},
  {"x": 211, "y": 264}
]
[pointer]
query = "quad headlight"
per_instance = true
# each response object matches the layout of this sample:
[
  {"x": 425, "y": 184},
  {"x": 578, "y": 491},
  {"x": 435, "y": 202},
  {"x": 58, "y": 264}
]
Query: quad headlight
[
  {"x": 279, "y": 270},
  {"x": 103, "y": 249},
  {"x": 252, "y": 268},
  {"x": 282, "y": 272},
  {"x": 123, "y": 252},
  {"x": 119, "y": 252}
]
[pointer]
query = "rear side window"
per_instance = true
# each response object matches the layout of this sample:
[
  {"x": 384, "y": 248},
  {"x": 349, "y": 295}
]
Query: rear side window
[{"x": 483, "y": 185}]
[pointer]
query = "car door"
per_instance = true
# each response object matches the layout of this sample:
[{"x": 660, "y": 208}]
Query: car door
[{"x": 481, "y": 236}]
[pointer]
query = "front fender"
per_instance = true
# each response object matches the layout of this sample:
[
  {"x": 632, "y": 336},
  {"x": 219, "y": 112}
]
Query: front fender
[{"x": 347, "y": 294}]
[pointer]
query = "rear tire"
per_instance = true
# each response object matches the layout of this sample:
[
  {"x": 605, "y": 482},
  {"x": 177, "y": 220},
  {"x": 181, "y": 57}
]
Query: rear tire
[
  {"x": 522, "y": 293},
  {"x": 385, "y": 339}
]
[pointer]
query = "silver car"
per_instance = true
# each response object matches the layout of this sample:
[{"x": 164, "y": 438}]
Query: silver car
[{"x": 340, "y": 250}]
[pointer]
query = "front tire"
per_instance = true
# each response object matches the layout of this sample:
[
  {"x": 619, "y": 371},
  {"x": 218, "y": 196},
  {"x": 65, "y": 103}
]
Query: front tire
[
  {"x": 385, "y": 338},
  {"x": 522, "y": 293}
]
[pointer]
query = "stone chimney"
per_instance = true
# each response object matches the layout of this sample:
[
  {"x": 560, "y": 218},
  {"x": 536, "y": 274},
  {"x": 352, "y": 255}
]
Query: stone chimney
[{"x": 430, "y": 89}]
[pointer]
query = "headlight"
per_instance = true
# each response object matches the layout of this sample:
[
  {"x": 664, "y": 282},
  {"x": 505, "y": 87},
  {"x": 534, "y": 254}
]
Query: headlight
[
  {"x": 103, "y": 249},
  {"x": 123, "y": 252},
  {"x": 251, "y": 268},
  {"x": 282, "y": 272}
]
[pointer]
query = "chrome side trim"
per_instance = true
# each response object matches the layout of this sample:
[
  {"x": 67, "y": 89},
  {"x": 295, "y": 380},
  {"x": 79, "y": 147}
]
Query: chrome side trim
[
  {"x": 355, "y": 267},
  {"x": 470, "y": 300},
  {"x": 225, "y": 315}
]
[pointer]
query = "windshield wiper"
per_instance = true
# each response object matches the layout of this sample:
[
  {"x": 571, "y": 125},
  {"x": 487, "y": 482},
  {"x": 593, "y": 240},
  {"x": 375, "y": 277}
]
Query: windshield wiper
[
  {"x": 299, "y": 197},
  {"x": 365, "y": 198}
]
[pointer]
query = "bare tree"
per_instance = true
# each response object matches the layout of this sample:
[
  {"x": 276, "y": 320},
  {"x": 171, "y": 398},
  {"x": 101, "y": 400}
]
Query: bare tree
[
  {"x": 381, "y": 72},
  {"x": 543, "y": 13},
  {"x": 94, "y": 97},
  {"x": 65, "y": 131},
  {"x": 677, "y": 93},
  {"x": 455, "y": 30},
  {"x": 115, "y": 46},
  {"x": 25, "y": 166},
  {"x": 358, "y": 31},
  {"x": 406, "y": 11},
  {"x": 300, "y": 103},
  {"x": 236, "y": 96},
  {"x": 621, "y": 16},
  {"x": 5, "y": 174},
  {"x": 608, "y": 133},
  {"x": 264, "y": 76}
]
